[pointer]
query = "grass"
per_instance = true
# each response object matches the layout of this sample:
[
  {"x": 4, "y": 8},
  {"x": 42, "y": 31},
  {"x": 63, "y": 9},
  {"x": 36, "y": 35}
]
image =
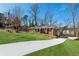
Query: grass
[
  {"x": 68, "y": 48},
  {"x": 6, "y": 37}
]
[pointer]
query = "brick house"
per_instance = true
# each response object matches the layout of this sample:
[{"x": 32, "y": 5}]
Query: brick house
[{"x": 51, "y": 31}]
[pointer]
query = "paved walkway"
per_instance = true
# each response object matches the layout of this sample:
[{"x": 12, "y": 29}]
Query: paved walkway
[{"x": 22, "y": 48}]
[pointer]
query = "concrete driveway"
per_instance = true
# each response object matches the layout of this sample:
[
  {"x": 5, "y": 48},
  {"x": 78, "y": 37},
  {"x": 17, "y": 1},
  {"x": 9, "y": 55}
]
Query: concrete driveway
[{"x": 22, "y": 48}]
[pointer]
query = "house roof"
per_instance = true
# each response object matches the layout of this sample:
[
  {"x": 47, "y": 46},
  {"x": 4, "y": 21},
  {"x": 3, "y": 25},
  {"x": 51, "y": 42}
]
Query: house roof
[{"x": 41, "y": 27}]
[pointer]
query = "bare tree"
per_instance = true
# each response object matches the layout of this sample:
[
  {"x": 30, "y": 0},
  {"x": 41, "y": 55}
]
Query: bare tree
[
  {"x": 50, "y": 19},
  {"x": 7, "y": 21},
  {"x": 67, "y": 22},
  {"x": 46, "y": 17},
  {"x": 17, "y": 18},
  {"x": 34, "y": 10},
  {"x": 77, "y": 25},
  {"x": 42, "y": 22},
  {"x": 73, "y": 11}
]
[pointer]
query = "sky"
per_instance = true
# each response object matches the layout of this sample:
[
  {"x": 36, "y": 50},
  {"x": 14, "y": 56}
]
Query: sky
[{"x": 60, "y": 11}]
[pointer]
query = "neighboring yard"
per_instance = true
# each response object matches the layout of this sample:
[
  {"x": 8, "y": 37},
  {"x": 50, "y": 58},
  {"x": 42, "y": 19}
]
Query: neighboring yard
[
  {"x": 68, "y": 48},
  {"x": 6, "y": 37}
]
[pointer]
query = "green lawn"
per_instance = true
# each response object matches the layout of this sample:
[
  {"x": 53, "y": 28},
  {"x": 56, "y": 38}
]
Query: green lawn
[
  {"x": 68, "y": 48},
  {"x": 6, "y": 37}
]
